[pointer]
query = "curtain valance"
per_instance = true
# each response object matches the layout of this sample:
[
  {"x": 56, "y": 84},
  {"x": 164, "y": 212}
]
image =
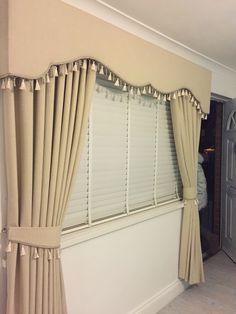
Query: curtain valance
[{"x": 8, "y": 82}]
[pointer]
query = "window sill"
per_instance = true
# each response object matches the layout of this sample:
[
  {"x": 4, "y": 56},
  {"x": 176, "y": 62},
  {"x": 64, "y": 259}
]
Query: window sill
[{"x": 78, "y": 236}]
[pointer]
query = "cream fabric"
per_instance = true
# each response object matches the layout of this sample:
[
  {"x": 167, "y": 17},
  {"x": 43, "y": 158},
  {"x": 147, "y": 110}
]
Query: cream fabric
[
  {"x": 44, "y": 132},
  {"x": 186, "y": 125},
  {"x": 45, "y": 237}
]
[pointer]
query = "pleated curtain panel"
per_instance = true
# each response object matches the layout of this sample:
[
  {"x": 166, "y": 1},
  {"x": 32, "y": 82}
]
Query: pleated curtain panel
[
  {"x": 45, "y": 123},
  {"x": 186, "y": 126}
]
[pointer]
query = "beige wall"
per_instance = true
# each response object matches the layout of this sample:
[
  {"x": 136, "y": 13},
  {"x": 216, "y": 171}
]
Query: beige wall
[
  {"x": 50, "y": 31},
  {"x": 3, "y": 36}
]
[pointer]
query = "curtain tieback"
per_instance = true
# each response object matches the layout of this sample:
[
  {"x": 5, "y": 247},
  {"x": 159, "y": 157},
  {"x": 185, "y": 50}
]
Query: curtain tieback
[
  {"x": 38, "y": 237},
  {"x": 190, "y": 194}
]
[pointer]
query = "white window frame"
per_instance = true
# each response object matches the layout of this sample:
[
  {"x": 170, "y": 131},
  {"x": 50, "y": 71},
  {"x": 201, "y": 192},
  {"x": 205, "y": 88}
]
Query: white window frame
[{"x": 78, "y": 235}]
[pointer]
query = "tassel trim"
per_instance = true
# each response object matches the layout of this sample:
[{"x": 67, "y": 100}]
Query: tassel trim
[
  {"x": 4, "y": 263},
  {"x": 64, "y": 69},
  {"x": 54, "y": 253},
  {"x": 36, "y": 254},
  {"x": 8, "y": 248},
  {"x": 22, "y": 252}
]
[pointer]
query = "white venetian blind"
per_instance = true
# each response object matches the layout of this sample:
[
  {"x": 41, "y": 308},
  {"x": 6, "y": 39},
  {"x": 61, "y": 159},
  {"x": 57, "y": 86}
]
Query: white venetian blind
[
  {"x": 142, "y": 138},
  {"x": 129, "y": 158},
  {"x": 108, "y": 122}
]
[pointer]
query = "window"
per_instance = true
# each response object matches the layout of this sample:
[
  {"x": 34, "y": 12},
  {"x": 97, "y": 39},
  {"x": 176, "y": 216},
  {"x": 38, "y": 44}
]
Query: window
[{"x": 129, "y": 160}]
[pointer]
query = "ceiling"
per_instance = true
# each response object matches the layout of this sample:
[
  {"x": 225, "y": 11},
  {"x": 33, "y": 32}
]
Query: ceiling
[{"x": 206, "y": 26}]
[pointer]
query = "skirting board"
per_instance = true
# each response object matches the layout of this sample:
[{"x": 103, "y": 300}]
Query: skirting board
[{"x": 160, "y": 299}]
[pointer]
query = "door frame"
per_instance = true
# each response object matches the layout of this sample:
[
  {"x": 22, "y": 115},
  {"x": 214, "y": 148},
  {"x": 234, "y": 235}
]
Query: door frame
[
  {"x": 217, "y": 212},
  {"x": 222, "y": 100}
]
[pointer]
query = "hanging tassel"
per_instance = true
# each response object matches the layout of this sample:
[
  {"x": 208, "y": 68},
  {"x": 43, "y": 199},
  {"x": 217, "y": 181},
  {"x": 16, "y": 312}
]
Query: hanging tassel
[
  {"x": 22, "y": 251},
  {"x": 144, "y": 91},
  {"x": 8, "y": 248},
  {"x": 49, "y": 255},
  {"x": 186, "y": 93},
  {"x": 198, "y": 106},
  {"x": 110, "y": 77},
  {"x": 22, "y": 85},
  {"x": 179, "y": 93},
  {"x": 4, "y": 263},
  {"x": 84, "y": 65},
  {"x": 192, "y": 99},
  {"x": 117, "y": 82},
  {"x": 61, "y": 69},
  {"x": 149, "y": 90},
  {"x": 37, "y": 86},
  {"x": 124, "y": 88},
  {"x": 66, "y": 70},
  {"x": 174, "y": 96},
  {"x": 182, "y": 93},
  {"x": 164, "y": 98},
  {"x": 101, "y": 71},
  {"x": 36, "y": 254},
  {"x": 3, "y": 84},
  {"x": 55, "y": 71},
  {"x": 159, "y": 97},
  {"x": 14, "y": 82},
  {"x": 138, "y": 92},
  {"x": 8, "y": 85},
  {"x": 168, "y": 97},
  {"x": 131, "y": 91},
  {"x": 93, "y": 67},
  {"x": 75, "y": 67},
  {"x": 155, "y": 94},
  {"x": 205, "y": 118},
  {"x": 47, "y": 78},
  {"x": 195, "y": 103}
]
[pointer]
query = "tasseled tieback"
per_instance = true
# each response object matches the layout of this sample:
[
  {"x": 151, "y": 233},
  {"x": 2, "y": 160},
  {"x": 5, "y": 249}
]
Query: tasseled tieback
[
  {"x": 190, "y": 194},
  {"x": 36, "y": 237}
]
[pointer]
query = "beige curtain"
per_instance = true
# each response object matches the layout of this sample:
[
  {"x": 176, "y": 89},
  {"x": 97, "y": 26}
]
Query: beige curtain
[
  {"x": 45, "y": 123},
  {"x": 186, "y": 125}
]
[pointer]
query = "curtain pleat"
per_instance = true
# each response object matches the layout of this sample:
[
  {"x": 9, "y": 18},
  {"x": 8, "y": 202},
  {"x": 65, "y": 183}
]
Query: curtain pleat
[
  {"x": 83, "y": 108},
  {"x": 186, "y": 126},
  {"x": 44, "y": 131}
]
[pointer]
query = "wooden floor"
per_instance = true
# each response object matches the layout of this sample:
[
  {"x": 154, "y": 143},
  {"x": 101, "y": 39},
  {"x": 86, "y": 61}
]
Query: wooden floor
[{"x": 216, "y": 296}]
